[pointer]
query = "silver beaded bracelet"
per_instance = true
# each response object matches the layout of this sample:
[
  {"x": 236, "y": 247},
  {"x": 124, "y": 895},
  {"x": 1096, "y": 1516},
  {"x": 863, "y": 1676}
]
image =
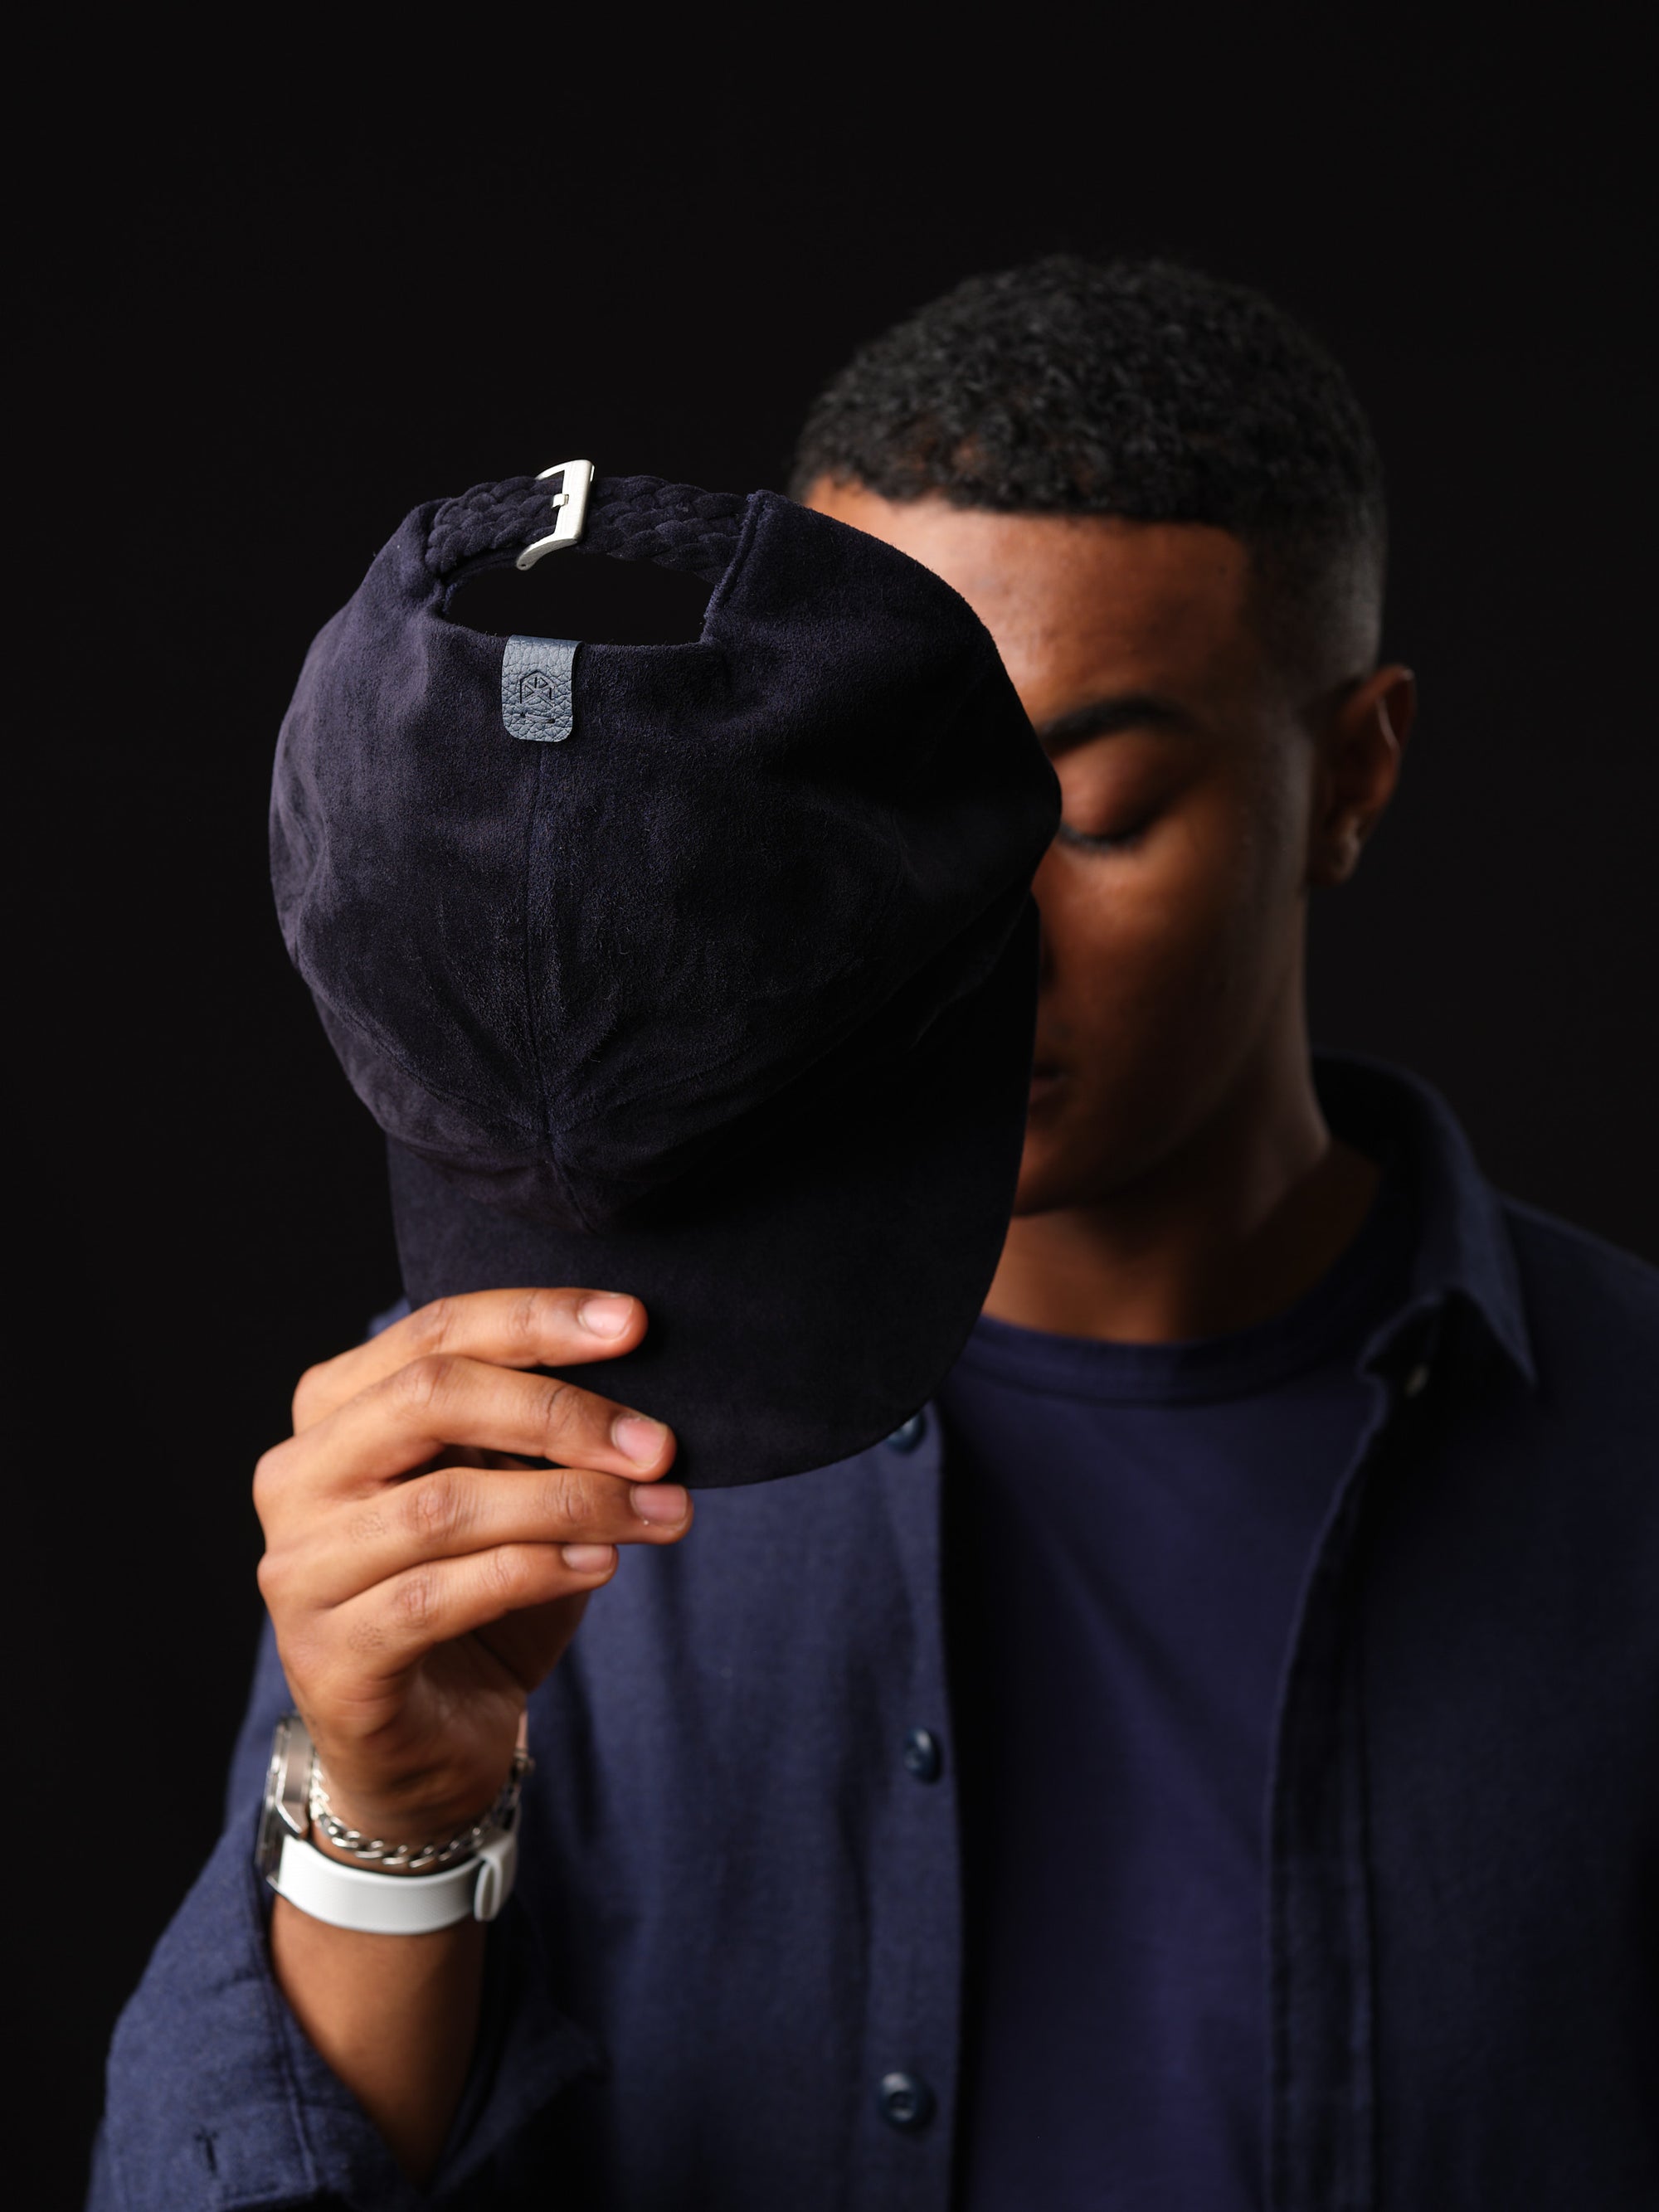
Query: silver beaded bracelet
[{"x": 417, "y": 1858}]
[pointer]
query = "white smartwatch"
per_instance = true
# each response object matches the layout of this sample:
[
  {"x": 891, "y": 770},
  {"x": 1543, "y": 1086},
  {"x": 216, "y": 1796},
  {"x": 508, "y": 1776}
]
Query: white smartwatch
[{"x": 395, "y": 1890}]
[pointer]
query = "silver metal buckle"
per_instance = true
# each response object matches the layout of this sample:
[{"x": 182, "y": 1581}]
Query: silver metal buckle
[{"x": 569, "y": 497}]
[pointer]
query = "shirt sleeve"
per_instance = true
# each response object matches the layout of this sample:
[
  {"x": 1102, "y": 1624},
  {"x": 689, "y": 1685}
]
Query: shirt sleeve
[{"x": 216, "y": 2100}]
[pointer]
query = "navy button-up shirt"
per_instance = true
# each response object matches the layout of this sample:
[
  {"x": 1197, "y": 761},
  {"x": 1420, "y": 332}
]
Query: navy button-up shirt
[{"x": 731, "y": 1977}]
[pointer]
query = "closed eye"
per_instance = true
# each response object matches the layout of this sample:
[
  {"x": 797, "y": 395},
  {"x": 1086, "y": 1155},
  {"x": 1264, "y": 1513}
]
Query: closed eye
[{"x": 1119, "y": 840}]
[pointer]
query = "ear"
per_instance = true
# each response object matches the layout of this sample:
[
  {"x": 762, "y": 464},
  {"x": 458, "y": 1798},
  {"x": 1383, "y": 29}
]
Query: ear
[{"x": 1359, "y": 754}]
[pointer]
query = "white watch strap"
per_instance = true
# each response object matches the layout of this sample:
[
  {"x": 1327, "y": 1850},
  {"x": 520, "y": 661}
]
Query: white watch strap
[{"x": 395, "y": 1903}]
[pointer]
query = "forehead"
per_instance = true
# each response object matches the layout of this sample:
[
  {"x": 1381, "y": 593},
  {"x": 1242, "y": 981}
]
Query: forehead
[{"x": 1080, "y": 606}]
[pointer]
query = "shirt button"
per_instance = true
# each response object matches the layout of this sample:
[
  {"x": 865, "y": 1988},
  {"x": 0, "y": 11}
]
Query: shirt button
[
  {"x": 909, "y": 1434},
  {"x": 1416, "y": 1382},
  {"x": 924, "y": 1755},
  {"x": 906, "y": 2101}
]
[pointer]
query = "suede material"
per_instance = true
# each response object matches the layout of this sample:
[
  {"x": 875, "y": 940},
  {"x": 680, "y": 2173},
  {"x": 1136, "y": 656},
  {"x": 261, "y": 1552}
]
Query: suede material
[{"x": 727, "y": 998}]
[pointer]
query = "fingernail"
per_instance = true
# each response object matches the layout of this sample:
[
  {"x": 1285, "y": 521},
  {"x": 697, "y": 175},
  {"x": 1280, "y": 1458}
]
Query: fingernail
[
  {"x": 642, "y": 1439},
  {"x": 607, "y": 1314},
  {"x": 590, "y": 1558},
  {"x": 660, "y": 1502}
]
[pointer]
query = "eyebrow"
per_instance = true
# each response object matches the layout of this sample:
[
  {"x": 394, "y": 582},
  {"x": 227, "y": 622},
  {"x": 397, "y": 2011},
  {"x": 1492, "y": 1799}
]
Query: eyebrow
[{"x": 1104, "y": 718}]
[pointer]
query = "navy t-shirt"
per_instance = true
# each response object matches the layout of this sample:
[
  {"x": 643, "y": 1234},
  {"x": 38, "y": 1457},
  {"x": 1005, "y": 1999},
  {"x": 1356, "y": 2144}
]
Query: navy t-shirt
[{"x": 1130, "y": 1526}]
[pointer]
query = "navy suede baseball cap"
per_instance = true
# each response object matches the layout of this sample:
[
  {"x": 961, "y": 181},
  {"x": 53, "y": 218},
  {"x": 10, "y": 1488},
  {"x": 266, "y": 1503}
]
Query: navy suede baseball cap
[{"x": 704, "y": 971}]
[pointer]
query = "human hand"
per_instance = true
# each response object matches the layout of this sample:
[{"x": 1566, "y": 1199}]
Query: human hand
[{"x": 434, "y": 1529}]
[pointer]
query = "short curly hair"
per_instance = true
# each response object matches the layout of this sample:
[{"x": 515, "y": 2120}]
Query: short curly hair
[{"x": 1133, "y": 388}]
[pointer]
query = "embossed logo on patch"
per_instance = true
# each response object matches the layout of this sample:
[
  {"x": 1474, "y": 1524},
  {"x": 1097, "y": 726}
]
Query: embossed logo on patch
[{"x": 536, "y": 700}]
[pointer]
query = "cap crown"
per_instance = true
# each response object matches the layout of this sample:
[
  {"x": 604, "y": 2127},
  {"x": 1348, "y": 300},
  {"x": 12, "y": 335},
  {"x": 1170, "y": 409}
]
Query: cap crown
[{"x": 571, "y": 973}]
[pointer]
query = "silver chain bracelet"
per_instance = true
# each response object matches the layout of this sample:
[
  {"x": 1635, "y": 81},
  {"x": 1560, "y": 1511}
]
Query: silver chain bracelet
[{"x": 417, "y": 1858}]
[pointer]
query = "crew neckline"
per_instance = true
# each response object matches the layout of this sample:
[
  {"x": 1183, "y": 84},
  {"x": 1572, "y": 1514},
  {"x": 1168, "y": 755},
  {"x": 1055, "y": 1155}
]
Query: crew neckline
[{"x": 1343, "y": 1307}]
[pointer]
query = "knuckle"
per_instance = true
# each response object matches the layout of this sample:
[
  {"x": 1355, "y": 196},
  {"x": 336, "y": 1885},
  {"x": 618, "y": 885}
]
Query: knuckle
[
  {"x": 435, "y": 1507},
  {"x": 560, "y": 1407},
  {"x": 265, "y": 1482},
  {"x": 281, "y": 1579},
  {"x": 308, "y": 1391},
  {"x": 420, "y": 1385},
  {"x": 268, "y": 1470},
  {"x": 414, "y": 1599},
  {"x": 323, "y": 1386},
  {"x": 432, "y": 1326},
  {"x": 530, "y": 1312},
  {"x": 567, "y": 1499},
  {"x": 505, "y": 1573}
]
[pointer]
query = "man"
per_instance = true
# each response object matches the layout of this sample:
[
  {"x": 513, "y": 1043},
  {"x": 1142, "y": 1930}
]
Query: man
[{"x": 1202, "y": 1760}]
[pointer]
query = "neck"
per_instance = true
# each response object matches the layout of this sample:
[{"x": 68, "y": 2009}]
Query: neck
[{"x": 1231, "y": 1227}]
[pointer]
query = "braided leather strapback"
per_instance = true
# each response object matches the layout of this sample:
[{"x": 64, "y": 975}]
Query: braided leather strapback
[{"x": 630, "y": 518}]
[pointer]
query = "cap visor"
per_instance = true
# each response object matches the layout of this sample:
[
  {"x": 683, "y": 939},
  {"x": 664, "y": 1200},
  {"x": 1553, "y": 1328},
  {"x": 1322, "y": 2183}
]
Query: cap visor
[{"x": 802, "y": 1307}]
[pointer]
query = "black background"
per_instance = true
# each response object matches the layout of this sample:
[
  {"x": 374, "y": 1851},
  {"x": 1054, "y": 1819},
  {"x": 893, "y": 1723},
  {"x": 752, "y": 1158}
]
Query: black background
[{"x": 260, "y": 343}]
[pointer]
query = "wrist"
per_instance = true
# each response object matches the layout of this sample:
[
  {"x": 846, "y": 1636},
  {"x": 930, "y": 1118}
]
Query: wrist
[
  {"x": 410, "y": 1845},
  {"x": 390, "y": 1816},
  {"x": 378, "y": 1885}
]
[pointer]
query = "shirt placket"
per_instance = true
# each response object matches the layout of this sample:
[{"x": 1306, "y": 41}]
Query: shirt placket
[
  {"x": 1321, "y": 2090},
  {"x": 907, "y": 2113}
]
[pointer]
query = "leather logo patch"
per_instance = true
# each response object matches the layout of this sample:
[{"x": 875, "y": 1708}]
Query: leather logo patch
[{"x": 536, "y": 700}]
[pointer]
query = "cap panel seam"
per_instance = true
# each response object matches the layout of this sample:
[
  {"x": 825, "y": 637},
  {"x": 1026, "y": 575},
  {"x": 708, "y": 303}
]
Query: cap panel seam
[{"x": 526, "y": 971}]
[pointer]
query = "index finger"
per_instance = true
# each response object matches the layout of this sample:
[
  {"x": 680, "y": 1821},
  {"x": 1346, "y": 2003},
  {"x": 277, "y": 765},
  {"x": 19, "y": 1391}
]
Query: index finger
[{"x": 507, "y": 1329}]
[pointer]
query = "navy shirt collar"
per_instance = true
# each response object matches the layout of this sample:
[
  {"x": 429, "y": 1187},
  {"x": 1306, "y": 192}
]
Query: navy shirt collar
[{"x": 1464, "y": 1248}]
